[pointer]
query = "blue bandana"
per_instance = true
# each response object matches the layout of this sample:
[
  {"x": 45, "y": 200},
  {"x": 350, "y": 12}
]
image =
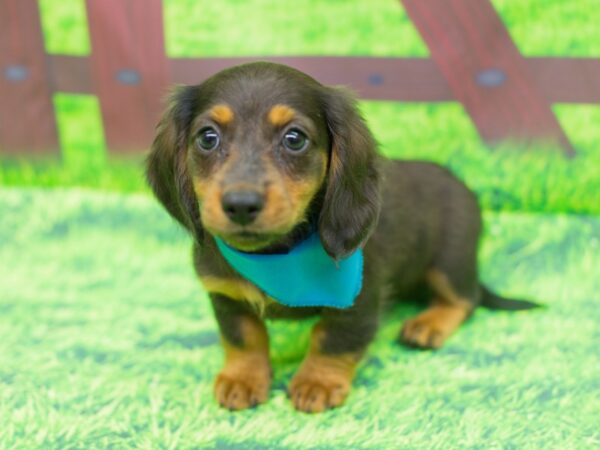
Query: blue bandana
[{"x": 305, "y": 276}]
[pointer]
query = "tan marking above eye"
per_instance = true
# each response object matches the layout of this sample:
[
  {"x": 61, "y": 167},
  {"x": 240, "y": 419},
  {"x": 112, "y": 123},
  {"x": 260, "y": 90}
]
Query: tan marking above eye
[
  {"x": 222, "y": 114},
  {"x": 280, "y": 115}
]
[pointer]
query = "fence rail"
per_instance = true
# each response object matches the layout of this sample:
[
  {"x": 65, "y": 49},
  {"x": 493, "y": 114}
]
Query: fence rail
[
  {"x": 561, "y": 80},
  {"x": 473, "y": 61}
]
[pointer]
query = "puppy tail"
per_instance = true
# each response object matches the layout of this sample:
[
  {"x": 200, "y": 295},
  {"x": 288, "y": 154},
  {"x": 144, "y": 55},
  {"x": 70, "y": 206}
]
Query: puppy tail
[{"x": 491, "y": 300}]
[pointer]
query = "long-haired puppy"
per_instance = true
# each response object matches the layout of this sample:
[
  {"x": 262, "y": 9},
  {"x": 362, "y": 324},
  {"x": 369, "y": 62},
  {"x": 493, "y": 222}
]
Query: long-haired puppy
[{"x": 293, "y": 214}]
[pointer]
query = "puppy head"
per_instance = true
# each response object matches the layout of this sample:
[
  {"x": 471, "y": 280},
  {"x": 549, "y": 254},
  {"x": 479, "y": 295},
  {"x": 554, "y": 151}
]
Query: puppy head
[{"x": 257, "y": 150}]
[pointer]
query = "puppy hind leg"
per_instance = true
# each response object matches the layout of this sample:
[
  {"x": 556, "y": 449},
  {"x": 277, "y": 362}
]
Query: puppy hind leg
[
  {"x": 452, "y": 275},
  {"x": 447, "y": 311}
]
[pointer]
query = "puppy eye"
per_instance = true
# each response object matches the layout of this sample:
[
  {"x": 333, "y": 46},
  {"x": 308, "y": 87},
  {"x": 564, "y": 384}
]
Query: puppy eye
[
  {"x": 208, "y": 139},
  {"x": 295, "y": 140}
]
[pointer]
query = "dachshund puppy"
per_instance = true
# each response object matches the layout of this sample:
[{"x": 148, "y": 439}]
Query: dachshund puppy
[{"x": 266, "y": 167}]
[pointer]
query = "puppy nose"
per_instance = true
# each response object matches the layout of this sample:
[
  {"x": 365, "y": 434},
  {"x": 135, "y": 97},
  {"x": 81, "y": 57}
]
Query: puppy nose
[{"x": 242, "y": 207}]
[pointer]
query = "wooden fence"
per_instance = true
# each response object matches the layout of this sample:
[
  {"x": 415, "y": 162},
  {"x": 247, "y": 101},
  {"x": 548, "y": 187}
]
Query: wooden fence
[{"x": 473, "y": 61}]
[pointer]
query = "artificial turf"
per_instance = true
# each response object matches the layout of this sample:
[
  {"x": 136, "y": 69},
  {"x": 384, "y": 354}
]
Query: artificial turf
[{"x": 107, "y": 341}]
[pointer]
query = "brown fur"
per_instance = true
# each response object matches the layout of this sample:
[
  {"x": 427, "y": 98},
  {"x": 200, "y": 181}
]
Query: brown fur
[{"x": 419, "y": 225}]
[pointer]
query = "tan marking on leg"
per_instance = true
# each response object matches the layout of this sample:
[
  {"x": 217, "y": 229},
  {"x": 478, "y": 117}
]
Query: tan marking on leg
[
  {"x": 447, "y": 312},
  {"x": 322, "y": 381},
  {"x": 222, "y": 114},
  {"x": 245, "y": 379},
  {"x": 237, "y": 289},
  {"x": 281, "y": 115},
  {"x": 443, "y": 288},
  {"x": 433, "y": 326}
]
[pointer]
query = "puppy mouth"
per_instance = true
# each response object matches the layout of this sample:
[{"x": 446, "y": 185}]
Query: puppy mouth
[{"x": 248, "y": 241}]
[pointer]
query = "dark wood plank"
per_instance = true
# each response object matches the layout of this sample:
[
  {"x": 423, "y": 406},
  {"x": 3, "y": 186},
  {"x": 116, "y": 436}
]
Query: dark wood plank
[
  {"x": 129, "y": 69},
  {"x": 71, "y": 74},
  {"x": 485, "y": 71},
  {"x": 560, "y": 80},
  {"x": 27, "y": 121},
  {"x": 567, "y": 80},
  {"x": 404, "y": 79}
]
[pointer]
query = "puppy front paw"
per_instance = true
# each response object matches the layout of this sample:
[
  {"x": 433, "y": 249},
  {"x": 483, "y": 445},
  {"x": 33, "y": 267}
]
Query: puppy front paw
[
  {"x": 322, "y": 382},
  {"x": 242, "y": 387},
  {"x": 309, "y": 394}
]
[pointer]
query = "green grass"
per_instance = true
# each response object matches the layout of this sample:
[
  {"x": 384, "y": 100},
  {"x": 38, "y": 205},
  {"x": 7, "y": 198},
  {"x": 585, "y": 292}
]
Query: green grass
[
  {"x": 507, "y": 177},
  {"x": 84, "y": 161},
  {"x": 553, "y": 27},
  {"x": 305, "y": 27},
  {"x": 64, "y": 25},
  {"x": 108, "y": 341}
]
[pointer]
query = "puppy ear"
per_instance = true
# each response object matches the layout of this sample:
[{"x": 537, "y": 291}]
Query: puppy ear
[
  {"x": 166, "y": 168},
  {"x": 352, "y": 201}
]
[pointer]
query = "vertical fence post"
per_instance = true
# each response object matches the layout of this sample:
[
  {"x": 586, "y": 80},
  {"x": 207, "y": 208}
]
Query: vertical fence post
[
  {"x": 485, "y": 71},
  {"x": 129, "y": 69},
  {"x": 27, "y": 121}
]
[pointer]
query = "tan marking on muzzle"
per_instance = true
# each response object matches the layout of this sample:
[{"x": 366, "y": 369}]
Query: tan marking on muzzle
[
  {"x": 209, "y": 192},
  {"x": 287, "y": 198}
]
